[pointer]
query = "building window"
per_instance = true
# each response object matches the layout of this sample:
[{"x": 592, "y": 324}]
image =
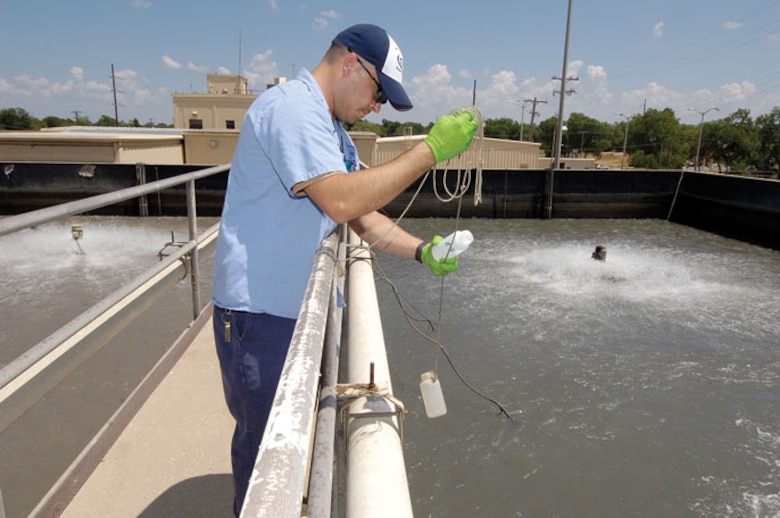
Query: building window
[
  {"x": 196, "y": 123},
  {"x": 230, "y": 124}
]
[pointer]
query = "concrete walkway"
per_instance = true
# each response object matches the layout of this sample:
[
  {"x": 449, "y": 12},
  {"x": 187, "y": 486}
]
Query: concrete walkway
[{"x": 173, "y": 459}]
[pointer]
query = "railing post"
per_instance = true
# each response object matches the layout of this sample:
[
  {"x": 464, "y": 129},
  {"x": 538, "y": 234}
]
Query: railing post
[
  {"x": 140, "y": 176},
  {"x": 192, "y": 220}
]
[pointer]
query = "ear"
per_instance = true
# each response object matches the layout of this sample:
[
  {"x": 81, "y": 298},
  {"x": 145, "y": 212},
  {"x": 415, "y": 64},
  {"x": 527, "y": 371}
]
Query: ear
[{"x": 348, "y": 64}]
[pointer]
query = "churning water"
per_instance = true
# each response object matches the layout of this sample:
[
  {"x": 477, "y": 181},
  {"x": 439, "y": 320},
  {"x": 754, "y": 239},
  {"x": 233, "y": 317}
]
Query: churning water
[
  {"x": 646, "y": 385},
  {"x": 48, "y": 279}
]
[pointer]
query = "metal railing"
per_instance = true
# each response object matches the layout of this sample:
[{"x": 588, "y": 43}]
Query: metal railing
[
  {"x": 297, "y": 454},
  {"x": 28, "y": 378}
]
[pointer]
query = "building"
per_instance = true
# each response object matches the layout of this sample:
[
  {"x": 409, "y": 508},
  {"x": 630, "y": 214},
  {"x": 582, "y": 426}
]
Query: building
[
  {"x": 206, "y": 129},
  {"x": 222, "y": 108}
]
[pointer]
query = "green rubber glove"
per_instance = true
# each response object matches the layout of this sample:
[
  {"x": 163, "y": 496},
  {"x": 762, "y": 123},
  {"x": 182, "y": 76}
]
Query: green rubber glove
[
  {"x": 452, "y": 135},
  {"x": 439, "y": 268}
]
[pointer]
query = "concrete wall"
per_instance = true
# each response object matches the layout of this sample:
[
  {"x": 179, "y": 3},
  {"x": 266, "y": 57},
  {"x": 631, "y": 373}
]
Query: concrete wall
[
  {"x": 743, "y": 208},
  {"x": 209, "y": 147},
  {"x": 494, "y": 153},
  {"x": 738, "y": 207},
  {"x": 90, "y": 147}
]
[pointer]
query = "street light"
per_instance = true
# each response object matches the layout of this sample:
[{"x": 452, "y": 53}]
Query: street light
[
  {"x": 701, "y": 128},
  {"x": 522, "y": 114}
]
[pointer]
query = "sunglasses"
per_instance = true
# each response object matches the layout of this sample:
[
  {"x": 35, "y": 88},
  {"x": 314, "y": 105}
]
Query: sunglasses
[{"x": 380, "y": 96}]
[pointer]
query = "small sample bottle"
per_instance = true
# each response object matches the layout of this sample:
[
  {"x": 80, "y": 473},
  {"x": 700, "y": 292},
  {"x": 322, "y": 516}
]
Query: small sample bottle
[
  {"x": 433, "y": 399},
  {"x": 460, "y": 239}
]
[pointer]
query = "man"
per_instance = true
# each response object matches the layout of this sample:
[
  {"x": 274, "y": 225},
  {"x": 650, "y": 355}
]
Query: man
[{"x": 292, "y": 180}]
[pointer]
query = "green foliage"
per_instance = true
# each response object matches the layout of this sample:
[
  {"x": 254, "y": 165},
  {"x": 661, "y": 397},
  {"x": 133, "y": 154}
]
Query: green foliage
[
  {"x": 768, "y": 128},
  {"x": 55, "y": 122},
  {"x": 656, "y": 139},
  {"x": 105, "y": 120},
  {"x": 16, "y": 119},
  {"x": 732, "y": 141},
  {"x": 505, "y": 128}
]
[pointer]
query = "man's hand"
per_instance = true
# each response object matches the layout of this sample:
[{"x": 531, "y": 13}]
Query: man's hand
[
  {"x": 439, "y": 268},
  {"x": 452, "y": 135}
]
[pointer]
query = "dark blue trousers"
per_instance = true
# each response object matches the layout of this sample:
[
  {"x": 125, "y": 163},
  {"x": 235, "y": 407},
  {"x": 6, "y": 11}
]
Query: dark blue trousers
[{"x": 251, "y": 363}]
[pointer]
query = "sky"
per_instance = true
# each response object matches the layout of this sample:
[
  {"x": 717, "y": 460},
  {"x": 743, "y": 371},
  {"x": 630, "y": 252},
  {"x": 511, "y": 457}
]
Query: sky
[{"x": 56, "y": 56}]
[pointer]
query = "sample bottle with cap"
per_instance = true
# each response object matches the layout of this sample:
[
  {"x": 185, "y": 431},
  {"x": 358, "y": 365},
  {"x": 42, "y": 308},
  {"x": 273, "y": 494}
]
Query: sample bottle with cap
[
  {"x": 433, "y": 399},
  {"x": 460, "y": 240}
]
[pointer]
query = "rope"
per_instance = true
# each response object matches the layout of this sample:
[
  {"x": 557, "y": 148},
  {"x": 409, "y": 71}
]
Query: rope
[{"x": 471, "y": 160}]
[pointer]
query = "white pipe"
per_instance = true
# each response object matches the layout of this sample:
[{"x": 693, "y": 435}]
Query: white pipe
[{"x": 376, "y": 473}]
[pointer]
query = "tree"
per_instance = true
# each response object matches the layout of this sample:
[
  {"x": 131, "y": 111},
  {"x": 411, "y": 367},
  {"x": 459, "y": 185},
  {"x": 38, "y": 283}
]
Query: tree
[
  {"x": 587, "y": 134},
  {"x": 55, "y": 122},
  {"x": 16, "y": 119},
  {"x": 768, "y": 127},
  {"x": 105, "y": 120},
  {"x": 657, "y": 135},
  {"x": 505, "y": 128},
  {"x": 733, "y": 141},
  {"x": 545, "y": 133}
]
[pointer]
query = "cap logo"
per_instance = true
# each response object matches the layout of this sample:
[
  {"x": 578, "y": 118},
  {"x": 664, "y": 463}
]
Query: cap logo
[{"x": 394, "y": 62}]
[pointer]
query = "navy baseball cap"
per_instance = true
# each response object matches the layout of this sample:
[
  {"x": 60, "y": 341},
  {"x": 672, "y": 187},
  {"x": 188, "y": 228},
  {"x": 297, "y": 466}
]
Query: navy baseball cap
[{"x": 377, "y": 47}]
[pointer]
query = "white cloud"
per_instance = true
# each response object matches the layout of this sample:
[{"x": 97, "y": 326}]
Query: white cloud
[
  {"x": 433, "y": 93},
  {"x": 141, "y": 4},
  {"x": 203, "y": 69},
  {"x": 658, "y": 30},
  {"x": 653, "y": 94},
  {"x": 77, "y": 73},
  {"x": 171, "y": 63},
  {"x": 274, "y": 5},
  {"x": 323, "y": 21},
  {"x": 574, "y": 67},
  {"x": 737, "y": 91},
  {"x": 729, "y": 26},
  {"x": 261, "y": 70},
  {"x": 597, "y": 73}
]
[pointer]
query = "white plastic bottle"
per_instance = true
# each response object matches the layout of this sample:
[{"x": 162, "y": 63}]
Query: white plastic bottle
[
  {"x": 433, "y": 399},
  {"x": 460, "y": 239}
]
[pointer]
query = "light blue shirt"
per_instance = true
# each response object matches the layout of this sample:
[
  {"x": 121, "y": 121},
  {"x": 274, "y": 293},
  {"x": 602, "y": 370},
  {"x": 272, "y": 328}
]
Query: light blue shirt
[{"x": 268, "y": 236}]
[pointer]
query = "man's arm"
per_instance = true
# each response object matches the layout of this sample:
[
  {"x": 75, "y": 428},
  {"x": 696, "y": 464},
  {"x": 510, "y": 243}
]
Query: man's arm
[
  {"x": 345, "y": 197},
  {"x": 381, "y": 232}
]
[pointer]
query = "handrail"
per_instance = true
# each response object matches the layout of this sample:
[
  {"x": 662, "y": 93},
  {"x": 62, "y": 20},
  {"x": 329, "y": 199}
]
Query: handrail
[
  {"x": 34, "y": 373},
  {"x": 30, "y": 376},
  {"x": 278, "y": 481},
  {"x": 11, "y": 224}
]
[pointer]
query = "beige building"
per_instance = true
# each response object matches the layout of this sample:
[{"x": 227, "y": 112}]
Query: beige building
[
  {"x": 206, "y": 129},
  {"x": 221, "y": 108},
  {"x": 68, "y": 145}
]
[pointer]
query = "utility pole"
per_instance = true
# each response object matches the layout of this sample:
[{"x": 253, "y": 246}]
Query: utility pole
[
  {"x": 625, "y": 139},
  {"x": 701, "y": 128},
  {"x": 522, "y": 114},
  {"x": 563, "y": 92},
  {"x": 534, "y": 113},
  {"x": 116, "y": 106},
  {"x": 76, "y": 113}
]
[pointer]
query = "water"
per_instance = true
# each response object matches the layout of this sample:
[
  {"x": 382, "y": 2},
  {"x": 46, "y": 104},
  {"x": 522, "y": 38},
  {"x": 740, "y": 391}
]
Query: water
[
  {"x": 49, "y": 279},
  {"x": 647, "y": 385}
]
